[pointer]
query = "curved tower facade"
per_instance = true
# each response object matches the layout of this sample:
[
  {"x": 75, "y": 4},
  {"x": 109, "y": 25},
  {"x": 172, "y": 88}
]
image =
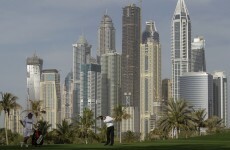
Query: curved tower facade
[{"x": 197, "y": 90}]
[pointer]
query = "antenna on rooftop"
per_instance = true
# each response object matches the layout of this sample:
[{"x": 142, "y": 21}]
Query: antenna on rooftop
[{"x": 106, "y": 11}]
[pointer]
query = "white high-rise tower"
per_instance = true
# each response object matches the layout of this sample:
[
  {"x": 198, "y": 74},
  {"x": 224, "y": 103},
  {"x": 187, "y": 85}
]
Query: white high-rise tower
[{"x": 180, "y": 46}]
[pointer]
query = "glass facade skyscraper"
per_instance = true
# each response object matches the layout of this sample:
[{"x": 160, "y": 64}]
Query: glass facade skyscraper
[
  {"x": 68, "y": 97},
  {"x": 90, "y": 90},
  {"x": 198, "y": 55},
  {"x": 81, "y": 55},
  {"x": 34, "y": 68}
]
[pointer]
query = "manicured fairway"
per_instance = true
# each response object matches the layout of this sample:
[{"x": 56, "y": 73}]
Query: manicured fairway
[{"x": 214, "y": 142}]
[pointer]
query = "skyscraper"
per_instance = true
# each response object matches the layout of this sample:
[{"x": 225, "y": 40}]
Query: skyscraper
[
  {"x": 51, "y": 96},
  {"x": 13, "y": 121},
  {"x": 81, "y": 55},
  {"x": 106, "y": 37},
  {"x": 150, "y": 33},
  {"x": 197, "y": 90},
  {"x": 181, "y": 46},
  {"x": 111, "y": 81},
  {"x": 90, "y": 91},
  {"x": 150, "y": 79},
  {"x": 220, "y": 97},
  {"x": 198, "y": 55},
  {"x": 131, "y": 28},
  {"x": 34, "y": 69},
  {"x": 166, "y": 90},
  {"x": 68, "y": 96}
]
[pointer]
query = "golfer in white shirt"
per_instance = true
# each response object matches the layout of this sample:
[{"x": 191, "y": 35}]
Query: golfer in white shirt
[
  {"x": 110, "y": 129},
  {"x": 27, "y": 123}
]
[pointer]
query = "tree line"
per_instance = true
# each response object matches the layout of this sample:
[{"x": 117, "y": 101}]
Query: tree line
[{"x": 178, "y": 119}]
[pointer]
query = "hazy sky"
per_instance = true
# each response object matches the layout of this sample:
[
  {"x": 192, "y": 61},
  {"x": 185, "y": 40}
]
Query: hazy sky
[{"x": 50, "y": 27}]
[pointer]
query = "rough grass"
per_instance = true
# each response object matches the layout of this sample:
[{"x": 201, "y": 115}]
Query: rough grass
[{"x": 210, "y": 142}]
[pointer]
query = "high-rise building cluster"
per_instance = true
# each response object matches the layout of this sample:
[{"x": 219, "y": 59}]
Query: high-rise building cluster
[
  {"x": 190, "y": 79},
  {"x": 132, "y": 79}
]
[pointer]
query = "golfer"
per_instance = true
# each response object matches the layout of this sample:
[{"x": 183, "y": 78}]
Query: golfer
[
  {"x": 28, "y": 124},
  {"x": 110, "y": 129}
]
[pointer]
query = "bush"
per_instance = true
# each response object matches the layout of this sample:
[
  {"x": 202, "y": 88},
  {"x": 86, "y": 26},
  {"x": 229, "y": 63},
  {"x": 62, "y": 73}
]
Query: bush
[{"x": 130, "y": 137}]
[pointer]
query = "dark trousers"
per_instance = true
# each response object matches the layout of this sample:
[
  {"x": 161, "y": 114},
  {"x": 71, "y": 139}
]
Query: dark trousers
[{"x": 110, "y": 135}]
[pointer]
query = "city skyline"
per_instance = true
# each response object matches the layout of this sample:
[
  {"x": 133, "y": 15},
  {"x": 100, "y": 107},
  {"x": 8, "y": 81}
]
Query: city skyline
[{"x": 49, "y": 28}]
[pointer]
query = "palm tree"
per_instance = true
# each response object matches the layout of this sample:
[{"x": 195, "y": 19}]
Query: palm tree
[
  {"x": 102, "y": 133},
  {"x": 214, "y": 124},
  {"x": 199, "y": 119},
  {"x": 166, "y": 124},
  {"x": 156, "y": 134},
  {"x": 85, "y": 124},
  {"x": 8, "y": 103},
  {"x": 43, "y": 126},
  {"x": 119, "y": 114},
  {"x": 64, "y": 132},
  {"x": 1, "y": 109},
  {"x": 129, "y": 136},
  {"x": 188, "y": 124},
  {"x": 36, "y": 108},
  {"x": 176, "y": 117}
]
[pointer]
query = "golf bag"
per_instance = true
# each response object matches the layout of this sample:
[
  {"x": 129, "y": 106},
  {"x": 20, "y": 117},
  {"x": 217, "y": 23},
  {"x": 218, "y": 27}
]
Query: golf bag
[{"x": 37, "y": 138}]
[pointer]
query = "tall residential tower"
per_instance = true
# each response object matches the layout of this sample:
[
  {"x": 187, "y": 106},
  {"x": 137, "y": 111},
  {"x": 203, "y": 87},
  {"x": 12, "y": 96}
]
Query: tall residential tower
[
  {"x": 68, "y": 97},
  {"x": 106, "y": 37},
  {"x": 81, "y": 55},
  {"x": 51, "y": 96},
  {"x": 90, "y": 91},
  {"x": 220, "y": 97},
  {"x": 111, "y": 81},
  {"x": 180, "y": 46},
  {"x": 150, "y": 79},
  {"x": 130, "y": 82}
]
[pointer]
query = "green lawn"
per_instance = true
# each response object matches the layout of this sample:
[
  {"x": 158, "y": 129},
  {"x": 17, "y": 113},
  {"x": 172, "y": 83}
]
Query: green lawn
[{"x": 211, "y": 142}]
